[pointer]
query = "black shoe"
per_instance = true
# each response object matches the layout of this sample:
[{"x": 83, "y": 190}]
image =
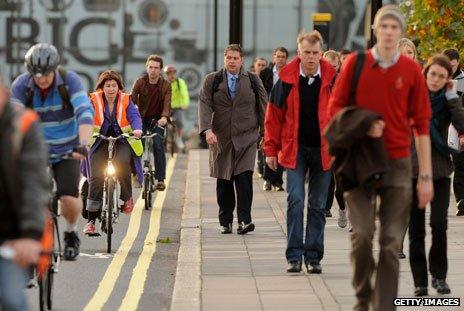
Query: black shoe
[
  {"x": 226, "y": 229},
  {"x": 441, "y": 286},
  {"x": 314, "y": 268},
  {"x": 401, "y": 255},
  {"x": 267, "y": 186},
  {"x": 279, "y": 188},
  {"x": 245, "y": 228},
  {"x": 328, "y": 213},
  {"x": 460, "y": 207},
  {"x": 294, "y": 266},
  {"x": 71, "y": 246},
  {"x": 420, "y": 291}
]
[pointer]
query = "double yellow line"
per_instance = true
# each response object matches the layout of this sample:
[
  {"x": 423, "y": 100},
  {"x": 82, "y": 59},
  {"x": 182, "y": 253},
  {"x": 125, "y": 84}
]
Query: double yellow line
[{"x": 139, "y": 274}]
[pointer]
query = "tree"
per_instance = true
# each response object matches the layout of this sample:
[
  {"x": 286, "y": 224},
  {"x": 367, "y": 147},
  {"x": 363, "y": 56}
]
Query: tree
[{"x": 435, "y": 25}]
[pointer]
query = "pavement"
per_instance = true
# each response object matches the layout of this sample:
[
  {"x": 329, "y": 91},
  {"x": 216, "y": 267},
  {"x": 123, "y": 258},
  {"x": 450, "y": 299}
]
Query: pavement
[{"x": 234, "y": 272}]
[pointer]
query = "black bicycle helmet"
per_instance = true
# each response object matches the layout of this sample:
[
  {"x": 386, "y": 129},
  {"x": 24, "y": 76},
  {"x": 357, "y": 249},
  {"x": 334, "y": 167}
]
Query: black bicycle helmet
[{"x": 41, "y": 59}]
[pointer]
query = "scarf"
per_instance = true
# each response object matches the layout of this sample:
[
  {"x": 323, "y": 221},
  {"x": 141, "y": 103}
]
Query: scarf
[{"x": 440, "y": 112}]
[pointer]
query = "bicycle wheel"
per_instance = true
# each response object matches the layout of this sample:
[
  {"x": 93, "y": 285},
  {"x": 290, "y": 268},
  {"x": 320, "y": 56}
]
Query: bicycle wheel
[
  {"x": 146, "y": 191},
  {"x": 50, "y": 279},
  {"x": 54, "y": 264},
  {"x": 43, "y": 290},
  {"x": 109, "y": 214}
]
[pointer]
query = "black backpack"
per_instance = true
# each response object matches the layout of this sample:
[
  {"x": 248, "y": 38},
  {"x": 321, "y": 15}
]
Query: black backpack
[
  {"x": 61, "y": 89},
  {"x": 219, "y": 76}
]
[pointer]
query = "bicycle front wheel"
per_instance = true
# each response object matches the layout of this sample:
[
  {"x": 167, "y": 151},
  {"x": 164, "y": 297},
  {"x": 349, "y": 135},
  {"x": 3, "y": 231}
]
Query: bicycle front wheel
[
  {"x": 43, "y": 291},
  {"x": 109, "y": 214},
  {"x": 147, "y": 191}
]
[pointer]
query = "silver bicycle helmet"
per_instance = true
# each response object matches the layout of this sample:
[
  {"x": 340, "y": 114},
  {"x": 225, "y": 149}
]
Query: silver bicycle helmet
[{"x": 41, "y": 59}]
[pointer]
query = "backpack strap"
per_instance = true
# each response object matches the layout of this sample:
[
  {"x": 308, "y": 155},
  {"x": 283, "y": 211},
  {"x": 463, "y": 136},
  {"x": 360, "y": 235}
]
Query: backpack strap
[
  {"x": 254, "y": 86},
  {"x": 64, "y": 91},
  {"x": 218, "y": 77},
  {"x": 358, "y": 66}
]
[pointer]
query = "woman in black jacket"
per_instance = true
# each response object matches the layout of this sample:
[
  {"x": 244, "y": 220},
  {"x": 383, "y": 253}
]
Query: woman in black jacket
[{"x": 447, "y": 108}]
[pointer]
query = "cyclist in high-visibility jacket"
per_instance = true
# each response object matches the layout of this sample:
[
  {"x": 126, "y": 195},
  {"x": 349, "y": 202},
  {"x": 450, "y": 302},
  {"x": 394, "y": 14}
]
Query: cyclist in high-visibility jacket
[
  {"x": 180, "y": 100},
  {"x": 115, "y": 113}
]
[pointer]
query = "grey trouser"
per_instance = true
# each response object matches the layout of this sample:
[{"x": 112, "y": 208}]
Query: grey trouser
[{"x": 395, "y": 194}]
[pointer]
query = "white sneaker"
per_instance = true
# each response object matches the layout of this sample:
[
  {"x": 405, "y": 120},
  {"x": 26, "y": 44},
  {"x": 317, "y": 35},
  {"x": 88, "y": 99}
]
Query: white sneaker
[
  {"x": 342, "y": 220},
  {"x": 179, "y": 143}
]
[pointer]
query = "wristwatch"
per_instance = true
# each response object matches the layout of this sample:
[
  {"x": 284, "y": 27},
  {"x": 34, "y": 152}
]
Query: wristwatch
[{"x": 425, "y": 177}]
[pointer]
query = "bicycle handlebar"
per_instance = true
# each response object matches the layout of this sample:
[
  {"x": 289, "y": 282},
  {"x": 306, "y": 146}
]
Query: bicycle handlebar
[
  {"x": 7, "y": 252},
  {"x": 150, "y": 135},
  {"x": 110, "y": 138}
]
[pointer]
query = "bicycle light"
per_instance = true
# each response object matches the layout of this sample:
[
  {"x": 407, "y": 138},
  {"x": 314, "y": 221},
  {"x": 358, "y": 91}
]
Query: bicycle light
[{"x": 110, "y": 169}]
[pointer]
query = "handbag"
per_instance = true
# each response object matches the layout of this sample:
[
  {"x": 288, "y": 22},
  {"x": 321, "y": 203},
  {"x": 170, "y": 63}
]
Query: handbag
[{"x": 453, "y": 139}]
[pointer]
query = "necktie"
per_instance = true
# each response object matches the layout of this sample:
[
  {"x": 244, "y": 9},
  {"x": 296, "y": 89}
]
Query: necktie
[{"x": 233, "y": 83}]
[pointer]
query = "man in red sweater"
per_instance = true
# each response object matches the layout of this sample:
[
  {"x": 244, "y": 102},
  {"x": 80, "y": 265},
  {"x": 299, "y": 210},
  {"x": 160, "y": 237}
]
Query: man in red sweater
[{"x": 393, "y": 86}]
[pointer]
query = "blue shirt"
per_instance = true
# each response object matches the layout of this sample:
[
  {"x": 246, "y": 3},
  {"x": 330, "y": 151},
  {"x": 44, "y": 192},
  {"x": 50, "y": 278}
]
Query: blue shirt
[{"x": 60, "y": 126}]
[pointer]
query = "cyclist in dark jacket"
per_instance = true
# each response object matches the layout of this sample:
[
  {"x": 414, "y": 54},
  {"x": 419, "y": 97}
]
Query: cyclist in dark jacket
[{"x": 23, "y": 197}]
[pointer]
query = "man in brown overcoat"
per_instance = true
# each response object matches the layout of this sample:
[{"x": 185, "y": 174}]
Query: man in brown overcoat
[{"x": 230, "y": 114}]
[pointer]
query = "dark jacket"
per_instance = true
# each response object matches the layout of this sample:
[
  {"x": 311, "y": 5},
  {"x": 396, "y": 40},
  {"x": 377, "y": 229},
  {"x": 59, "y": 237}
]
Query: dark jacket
[
  {"x": 148, "y": 107},
  {"x": 359, "y": 160},
  {"x": 442, "y": 165},
  {"x": 236, "y": 123},
  {"x": 23, "y": 169},
  {"x": 267, "y": 76}
]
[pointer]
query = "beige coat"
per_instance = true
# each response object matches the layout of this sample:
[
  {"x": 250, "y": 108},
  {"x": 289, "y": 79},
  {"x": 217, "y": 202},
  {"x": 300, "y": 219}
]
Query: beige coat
[{"x": 235, "y": 122}]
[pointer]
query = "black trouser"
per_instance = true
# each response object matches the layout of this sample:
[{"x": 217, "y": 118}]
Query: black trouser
[
  {"x": 458, "y": 181},
  {"x": 158, "y": 148},
  {"x": 334, "y": 191},
  {"x": 438, "y": 259},
  {"x": 261, "y": 162},
  {"x": 274, "y": 177},
  {"x": 98, "y": 162},
  {"x": 226, "y": 198}
]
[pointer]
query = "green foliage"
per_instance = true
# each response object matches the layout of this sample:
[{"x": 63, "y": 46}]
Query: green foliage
[{"x": 435, "y": 25}]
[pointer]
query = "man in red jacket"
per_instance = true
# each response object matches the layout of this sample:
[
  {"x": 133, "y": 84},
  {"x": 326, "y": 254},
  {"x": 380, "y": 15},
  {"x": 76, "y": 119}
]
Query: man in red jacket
[
  {"x": 393, "y": 86},
  {"x": 295, "y": 118}
]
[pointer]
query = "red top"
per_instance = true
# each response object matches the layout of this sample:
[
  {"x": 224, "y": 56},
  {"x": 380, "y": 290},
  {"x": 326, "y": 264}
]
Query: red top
[
  {"x": 399, "y": 94},
  {"x": 282, "y": 122}
]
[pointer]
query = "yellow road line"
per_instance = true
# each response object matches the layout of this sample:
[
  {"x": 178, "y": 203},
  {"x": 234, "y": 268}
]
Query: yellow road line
[
  {"x": 139, "y": 274},
  {"x": 105, "y": 288}
]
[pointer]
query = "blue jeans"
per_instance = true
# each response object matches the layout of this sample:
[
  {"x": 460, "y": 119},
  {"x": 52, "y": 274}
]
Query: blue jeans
[
  {"x": 308, "y": 159},
  {"x": 158, "y": 150},
  {"x": 12, "y": 285}
]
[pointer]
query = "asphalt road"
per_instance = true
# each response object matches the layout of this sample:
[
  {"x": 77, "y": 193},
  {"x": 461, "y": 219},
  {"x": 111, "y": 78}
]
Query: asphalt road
[{"x": 139, "y": 273}]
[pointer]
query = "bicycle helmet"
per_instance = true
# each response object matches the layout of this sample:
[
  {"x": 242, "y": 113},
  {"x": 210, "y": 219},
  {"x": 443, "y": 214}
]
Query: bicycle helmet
[
  {"x": 41, "y": 59},
  {"x": 169, "y": 67}
]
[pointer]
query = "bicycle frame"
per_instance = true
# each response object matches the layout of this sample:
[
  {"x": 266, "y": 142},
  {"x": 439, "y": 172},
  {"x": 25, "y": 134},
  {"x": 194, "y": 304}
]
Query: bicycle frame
[
  {"x": 148, "y": 169},
  {"x": 110, "y": 210}
]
